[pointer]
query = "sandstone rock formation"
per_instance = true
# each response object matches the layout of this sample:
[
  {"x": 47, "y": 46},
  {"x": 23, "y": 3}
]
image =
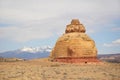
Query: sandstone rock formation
[
  {"x": 74, "y": 45},
  {"x": 75, "y": 26}
]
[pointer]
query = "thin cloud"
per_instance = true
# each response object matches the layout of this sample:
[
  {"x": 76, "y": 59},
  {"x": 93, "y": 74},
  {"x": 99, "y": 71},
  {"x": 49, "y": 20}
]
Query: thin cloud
[
  {"x": 113, "y": 43},
  {"x": 31, "y": 31},
  {"x": 42, "y": 19},
  {"x": 116, "y": 29},
  {"x": 116, "y": 41},
  {"x": 27, "y": 10}
]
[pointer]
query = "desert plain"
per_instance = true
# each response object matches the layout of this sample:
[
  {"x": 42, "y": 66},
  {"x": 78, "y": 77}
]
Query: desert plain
[{"x": 43, "y": 69}]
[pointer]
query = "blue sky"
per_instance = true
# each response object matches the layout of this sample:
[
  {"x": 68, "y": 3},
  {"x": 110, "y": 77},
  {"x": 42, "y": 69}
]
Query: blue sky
[{"x": 33, "y": 23}]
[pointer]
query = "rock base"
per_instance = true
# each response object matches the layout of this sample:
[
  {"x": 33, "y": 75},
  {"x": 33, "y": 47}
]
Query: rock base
[{"x": 77, "y": 59}]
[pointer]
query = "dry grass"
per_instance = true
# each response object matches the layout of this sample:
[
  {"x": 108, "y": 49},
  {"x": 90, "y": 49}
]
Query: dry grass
[{"x": 42, "y": 69}]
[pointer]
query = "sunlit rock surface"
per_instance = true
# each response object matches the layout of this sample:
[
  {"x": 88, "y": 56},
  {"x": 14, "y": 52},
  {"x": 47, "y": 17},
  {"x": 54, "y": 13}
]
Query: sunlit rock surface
[{"x": 74, "y": 45}]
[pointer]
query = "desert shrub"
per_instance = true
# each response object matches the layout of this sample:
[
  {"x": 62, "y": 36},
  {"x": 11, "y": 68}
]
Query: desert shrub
[{"x": 55, "y": 65}]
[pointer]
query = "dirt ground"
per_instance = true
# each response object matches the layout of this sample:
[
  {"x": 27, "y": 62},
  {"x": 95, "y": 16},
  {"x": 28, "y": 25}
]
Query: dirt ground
[{"x": 42, "y": 69}]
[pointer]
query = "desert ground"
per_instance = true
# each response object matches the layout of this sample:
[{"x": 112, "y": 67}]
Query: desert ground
[{"x": 43, "y": 69}]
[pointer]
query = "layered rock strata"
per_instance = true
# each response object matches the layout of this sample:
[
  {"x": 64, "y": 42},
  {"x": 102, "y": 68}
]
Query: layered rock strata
[{"x": 74, "y": 46}]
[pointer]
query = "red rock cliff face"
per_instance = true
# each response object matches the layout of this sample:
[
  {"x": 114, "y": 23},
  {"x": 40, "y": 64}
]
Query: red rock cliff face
[{"x": 74, "y": 46}]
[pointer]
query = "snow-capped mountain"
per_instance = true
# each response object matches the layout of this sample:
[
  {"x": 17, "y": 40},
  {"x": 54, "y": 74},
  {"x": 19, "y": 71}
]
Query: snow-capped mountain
[
  {"x": 36, "y": 49},
  {"x": 28, "y": 52}
]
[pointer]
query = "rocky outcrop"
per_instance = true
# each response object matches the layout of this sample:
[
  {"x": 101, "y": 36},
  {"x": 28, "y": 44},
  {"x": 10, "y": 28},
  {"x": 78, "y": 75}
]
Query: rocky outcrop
[
  {"x": 74, "y": 45},
  {"x": 75, "y": 26}
]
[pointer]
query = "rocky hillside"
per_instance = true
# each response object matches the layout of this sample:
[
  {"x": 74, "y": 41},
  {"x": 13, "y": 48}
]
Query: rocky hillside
[{"x": 110, "y": 57}]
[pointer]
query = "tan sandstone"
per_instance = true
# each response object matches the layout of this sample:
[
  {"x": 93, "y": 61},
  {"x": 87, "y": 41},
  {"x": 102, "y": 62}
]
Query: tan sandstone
[{"x": 74, "y": 44}]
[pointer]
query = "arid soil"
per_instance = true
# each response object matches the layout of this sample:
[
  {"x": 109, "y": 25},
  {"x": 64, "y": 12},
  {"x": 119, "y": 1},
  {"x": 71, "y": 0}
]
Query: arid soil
[{"x": 42, "y": 69}]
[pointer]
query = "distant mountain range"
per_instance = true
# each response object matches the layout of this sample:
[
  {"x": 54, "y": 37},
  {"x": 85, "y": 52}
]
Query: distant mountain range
[
  {"x": 110, "y": 57},
  {"x": 41, "y": 52},
  {"x": 28, "y": 53}
]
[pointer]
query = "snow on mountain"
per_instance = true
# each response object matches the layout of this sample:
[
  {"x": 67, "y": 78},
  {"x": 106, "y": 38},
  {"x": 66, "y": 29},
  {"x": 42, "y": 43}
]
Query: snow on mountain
[
  {"x": 28, "y": 52},
  {"x": 36, "y": 49}
]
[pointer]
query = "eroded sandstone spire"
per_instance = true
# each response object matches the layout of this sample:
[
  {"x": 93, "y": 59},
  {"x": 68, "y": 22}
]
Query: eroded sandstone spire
[
  {"x": 74, "y": 46},
  {"x": 75, "y": 26}
]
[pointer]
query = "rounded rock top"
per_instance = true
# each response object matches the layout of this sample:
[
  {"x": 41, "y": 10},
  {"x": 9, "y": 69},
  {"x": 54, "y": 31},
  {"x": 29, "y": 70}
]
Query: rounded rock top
[{"x": 75, "y": 22}]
